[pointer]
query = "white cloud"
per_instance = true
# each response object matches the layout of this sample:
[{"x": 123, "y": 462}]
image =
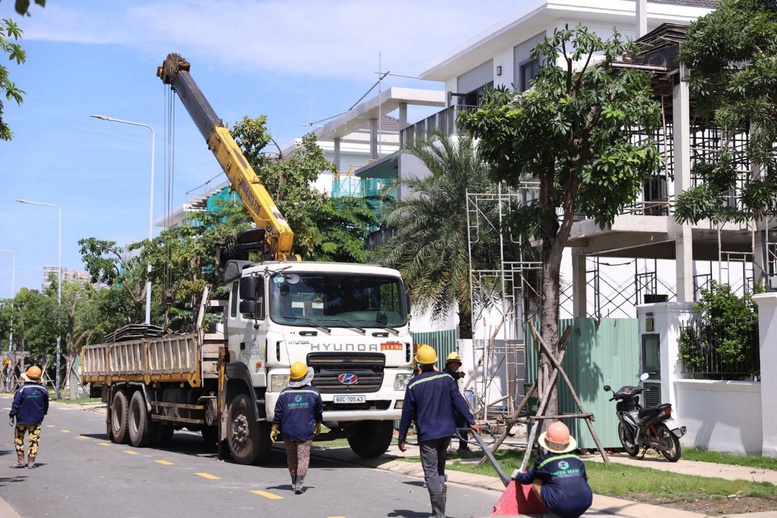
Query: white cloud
[{"x": 335, "y": 38}]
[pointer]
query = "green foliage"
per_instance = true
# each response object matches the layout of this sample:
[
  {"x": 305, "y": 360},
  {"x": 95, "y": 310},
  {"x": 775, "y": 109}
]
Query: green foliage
[
  {"x": 429, "y": 242},
  {"x": 324, "y": 228},
  {"x": 9, "y": 33},
  {"x": 732, "y": 54},
  {"x": 23, "y": 6},
  {"x": 727, "y": 332},
  {"x": 108, "y": 263},
  {"x": 572, "y": 133}
]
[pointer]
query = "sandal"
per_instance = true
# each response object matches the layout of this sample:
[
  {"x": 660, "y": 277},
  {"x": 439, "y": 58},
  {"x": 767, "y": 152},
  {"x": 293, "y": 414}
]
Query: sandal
[
  {"x": 19, "y": 465},
  {"x": 31, "y": 466}
]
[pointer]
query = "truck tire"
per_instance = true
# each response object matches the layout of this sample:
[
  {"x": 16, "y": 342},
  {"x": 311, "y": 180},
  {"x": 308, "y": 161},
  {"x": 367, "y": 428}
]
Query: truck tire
[
  {"x": 139, "y": 427},
  {"x": 119, "y": 417},
  {"x": 249, "y": 441},
  {"x": 371, "y": 438}
]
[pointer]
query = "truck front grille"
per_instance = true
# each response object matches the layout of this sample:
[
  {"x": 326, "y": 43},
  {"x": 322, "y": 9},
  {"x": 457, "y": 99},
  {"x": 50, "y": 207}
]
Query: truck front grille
[{"x": 367, "y": 367}]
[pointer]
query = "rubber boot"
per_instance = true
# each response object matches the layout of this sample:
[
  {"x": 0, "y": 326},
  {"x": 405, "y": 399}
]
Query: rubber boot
[
  {"x": 438, "y": 504},
  {"x": 30, "y": 461},
  {"x": 298, "y": 484}
]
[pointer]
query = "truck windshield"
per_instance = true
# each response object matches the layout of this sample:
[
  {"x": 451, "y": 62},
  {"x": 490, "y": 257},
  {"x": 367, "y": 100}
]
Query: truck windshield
[{"x": 337, "y": 300}]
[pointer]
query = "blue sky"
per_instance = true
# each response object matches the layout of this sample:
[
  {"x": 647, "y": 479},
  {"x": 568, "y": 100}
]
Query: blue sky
[{"x": 295, "y": 61}]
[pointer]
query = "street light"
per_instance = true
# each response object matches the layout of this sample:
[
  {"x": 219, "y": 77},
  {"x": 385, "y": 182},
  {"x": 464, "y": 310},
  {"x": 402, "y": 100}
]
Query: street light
[
  {"x": 59, "y": 283},
  {"x": 13, "y": 290},
  {"x": 151, "y": 203}
]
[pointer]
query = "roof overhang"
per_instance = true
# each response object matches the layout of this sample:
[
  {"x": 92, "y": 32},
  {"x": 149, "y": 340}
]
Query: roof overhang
[{"x": 540, "y": 15}]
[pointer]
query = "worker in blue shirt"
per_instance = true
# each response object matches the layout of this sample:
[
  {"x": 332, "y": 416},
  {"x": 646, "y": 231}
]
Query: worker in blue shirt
[
  {"x": 30, "y": 405},
  {"x": 558, "y": 477},
  {"x": 299, "y": 412},
  {"x": 430, "y": 401}
]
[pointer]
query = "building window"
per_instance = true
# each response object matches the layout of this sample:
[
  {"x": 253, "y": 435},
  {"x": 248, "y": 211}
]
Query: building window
[
  {"x": 473, "y": 99},
  {"x": 529, "y": 71}
]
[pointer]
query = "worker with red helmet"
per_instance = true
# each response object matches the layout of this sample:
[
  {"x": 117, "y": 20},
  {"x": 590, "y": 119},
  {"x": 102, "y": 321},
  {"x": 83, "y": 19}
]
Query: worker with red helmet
[
  {"x": 558, "y": 477},
  {"x": 30, "y": 405},
  {"x": 430, "y": 401}
]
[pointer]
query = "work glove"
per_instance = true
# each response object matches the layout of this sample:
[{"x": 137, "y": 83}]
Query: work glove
[
  {"x": 515, "y": 474},
  {"x": 12, "y": 420},
  {"x": 317, "y": 429},
  {"x": 274, "y": 432}
]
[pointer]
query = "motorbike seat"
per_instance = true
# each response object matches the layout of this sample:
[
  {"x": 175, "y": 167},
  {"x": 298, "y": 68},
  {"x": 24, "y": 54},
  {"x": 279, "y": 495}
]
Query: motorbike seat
[{"x": 652, "y": 410}]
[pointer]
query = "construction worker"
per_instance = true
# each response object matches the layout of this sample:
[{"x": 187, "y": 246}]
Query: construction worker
[
  {"x": 558, "y": 477},
  {"x": 452, "y": 365},
  {"x": 299, "y": 412},
  {"x": 30, "y": 405},
  {"x": 430, "y": 400}
]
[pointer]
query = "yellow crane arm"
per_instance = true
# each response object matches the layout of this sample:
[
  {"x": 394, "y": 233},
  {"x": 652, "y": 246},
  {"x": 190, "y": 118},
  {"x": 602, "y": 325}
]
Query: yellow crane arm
[{"x": 278, "y": 235}]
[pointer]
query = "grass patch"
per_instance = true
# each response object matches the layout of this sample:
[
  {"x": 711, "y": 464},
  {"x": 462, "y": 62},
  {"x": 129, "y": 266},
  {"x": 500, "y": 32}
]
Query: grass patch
[
  {"x": 79, "y": 401},
  {"x": 638, "y": 483},
  {"x": 735, "y": 460}
]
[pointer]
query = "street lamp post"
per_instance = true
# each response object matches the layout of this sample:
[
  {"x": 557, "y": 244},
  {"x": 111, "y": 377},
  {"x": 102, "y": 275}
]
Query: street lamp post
[
  {"x": 59, "y": 284},
  {"x": 151, "y": 203},
  {"x": 10, "y": 333}
]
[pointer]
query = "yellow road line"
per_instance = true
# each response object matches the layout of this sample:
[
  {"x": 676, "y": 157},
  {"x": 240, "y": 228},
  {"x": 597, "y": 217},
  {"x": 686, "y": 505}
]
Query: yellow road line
[
  {"x": 50, "y": 426},
  {"x": 104, "y": 443},
  {"x": 265, "y": 494},
  {"x": 83, "y": 437},
  {"x": 164, "y": 462},
  {"x": 130, "y": 452},
  {"x": 65, "y": 431},
  {"x": 208, "y": 476}
]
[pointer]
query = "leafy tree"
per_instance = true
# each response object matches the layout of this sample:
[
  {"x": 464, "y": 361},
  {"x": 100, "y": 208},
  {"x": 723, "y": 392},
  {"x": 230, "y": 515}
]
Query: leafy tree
[
  {"x": 324, "y": 228},
  {"x": 429, "y": 242},
  {"x": 74, "y": 295},
  {"x": 725, "y": 341},
  {"x": 9, "y": 32},
  {"x": 35, "y": 329},
  {"x": 108, "y": 263},
  {"x": 732, "y": 54},
  {"x": 571, "y": 133}
]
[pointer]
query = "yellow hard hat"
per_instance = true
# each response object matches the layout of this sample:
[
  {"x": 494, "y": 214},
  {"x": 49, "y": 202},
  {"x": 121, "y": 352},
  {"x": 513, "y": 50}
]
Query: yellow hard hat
[
  {"x": 453, "y": 357},
  {"x": 425, "y": 355},
  {"x": 298, "y": 370}
]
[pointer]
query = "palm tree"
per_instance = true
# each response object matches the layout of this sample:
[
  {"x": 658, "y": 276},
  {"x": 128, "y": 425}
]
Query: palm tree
[{"x": 429, "y": 242}]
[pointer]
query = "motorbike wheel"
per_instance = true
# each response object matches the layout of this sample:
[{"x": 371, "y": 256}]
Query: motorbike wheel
[
  {"x": 670, "y": 444},
  {"x": 628, "y": 443}
]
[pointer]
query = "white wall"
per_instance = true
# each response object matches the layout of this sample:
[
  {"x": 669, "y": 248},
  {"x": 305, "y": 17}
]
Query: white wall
[{"x": 722, "y": 416}]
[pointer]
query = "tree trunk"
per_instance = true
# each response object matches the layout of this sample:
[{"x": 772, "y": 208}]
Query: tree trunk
[
  {"x": 465, "y": 323},
  {"x": 549, "y": 309}
]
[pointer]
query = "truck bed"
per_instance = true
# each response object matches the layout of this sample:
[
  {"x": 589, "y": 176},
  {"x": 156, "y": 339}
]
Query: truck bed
[{"x": 171, "y": 358}]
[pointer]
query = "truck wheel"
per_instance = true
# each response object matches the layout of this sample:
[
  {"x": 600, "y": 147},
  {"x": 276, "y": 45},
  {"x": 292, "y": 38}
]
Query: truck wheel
[
  {"x": 242, "y": 431},
  {"x": 119, "y": 417},
  {"x": 371, "y": 438},
  {"x": 139, "y": 421}
]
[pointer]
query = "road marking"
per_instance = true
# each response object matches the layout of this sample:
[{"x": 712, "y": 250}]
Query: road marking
[
  {"x": 50, "y": 426},
  {"x": 208, "y": 476},
  {"x": 83, "y": 437},
  {"x": 103, "y": 443},
  {"x": 265, "y": 494},
  {"x": 164, "y": 462},
  {"x": 65, "y": 431},
  {"x": 130, "y": 452}
]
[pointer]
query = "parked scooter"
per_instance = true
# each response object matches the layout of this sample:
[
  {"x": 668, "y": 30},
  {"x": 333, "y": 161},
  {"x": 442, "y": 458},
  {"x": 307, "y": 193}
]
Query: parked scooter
[{"x": 649, "y": 427}]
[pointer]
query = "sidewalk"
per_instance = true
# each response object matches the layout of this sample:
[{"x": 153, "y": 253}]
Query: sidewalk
[{"x": 391, "y": 461}]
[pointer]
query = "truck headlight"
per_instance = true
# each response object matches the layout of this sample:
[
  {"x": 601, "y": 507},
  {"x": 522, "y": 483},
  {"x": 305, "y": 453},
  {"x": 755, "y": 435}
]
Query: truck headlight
[
  {"x": 278, "y": 382},
  {"x": 401, "y": 381}
]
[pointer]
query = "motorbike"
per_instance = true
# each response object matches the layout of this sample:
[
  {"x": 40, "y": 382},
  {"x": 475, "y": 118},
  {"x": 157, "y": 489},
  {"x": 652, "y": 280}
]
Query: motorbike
[{"x": 646, "y": 427}]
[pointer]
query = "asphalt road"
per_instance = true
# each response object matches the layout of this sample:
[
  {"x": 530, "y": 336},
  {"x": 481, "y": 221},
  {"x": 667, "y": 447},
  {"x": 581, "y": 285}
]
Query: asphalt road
[{"x": 82, "y": 474}]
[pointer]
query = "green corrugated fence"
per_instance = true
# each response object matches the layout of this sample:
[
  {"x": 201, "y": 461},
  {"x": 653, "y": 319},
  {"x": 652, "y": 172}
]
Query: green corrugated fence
[{"x": 444, "y": 342}]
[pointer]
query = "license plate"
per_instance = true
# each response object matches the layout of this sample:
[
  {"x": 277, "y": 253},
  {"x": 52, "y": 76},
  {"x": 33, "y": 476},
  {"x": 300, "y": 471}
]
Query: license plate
[
  {"x": 671, "y": 423},
  {"x": 350, "y": 399}
]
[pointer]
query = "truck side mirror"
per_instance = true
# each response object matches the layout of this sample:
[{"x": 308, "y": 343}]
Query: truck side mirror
[
  {"x": 248, "y": 287},
  {"x": 248, "y": 307}
]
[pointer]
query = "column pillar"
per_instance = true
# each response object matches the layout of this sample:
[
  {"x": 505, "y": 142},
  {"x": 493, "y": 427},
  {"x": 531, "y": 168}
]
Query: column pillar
[
  {"x": 767, "y": 330},
  {"x": 682, "y": 173}
]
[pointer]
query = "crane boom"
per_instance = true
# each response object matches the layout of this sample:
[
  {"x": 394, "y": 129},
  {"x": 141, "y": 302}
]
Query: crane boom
[{"x": 278, "y": 235}]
